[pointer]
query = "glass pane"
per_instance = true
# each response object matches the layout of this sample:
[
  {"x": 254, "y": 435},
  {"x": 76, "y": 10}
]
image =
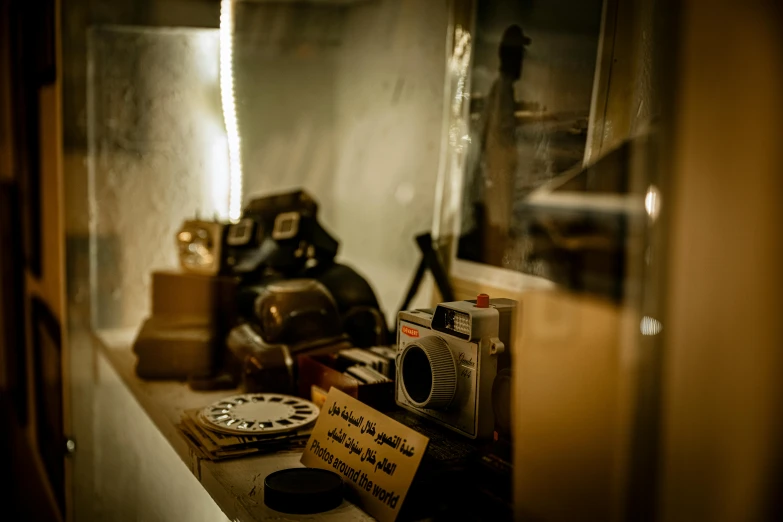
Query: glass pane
[
  {"x": 346, "y": 103},
  {"x": 338, "y": 102},
  {"x": 531, "y": 88},
  {"x": 158, "y": 152}
]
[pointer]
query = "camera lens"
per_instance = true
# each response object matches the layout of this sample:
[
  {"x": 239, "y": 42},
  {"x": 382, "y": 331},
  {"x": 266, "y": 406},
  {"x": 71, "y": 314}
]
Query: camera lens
[
  {"x": 417, "y": 374},
  {"x": 286, "y": 226},
  {"x": 428, "y": 373}
]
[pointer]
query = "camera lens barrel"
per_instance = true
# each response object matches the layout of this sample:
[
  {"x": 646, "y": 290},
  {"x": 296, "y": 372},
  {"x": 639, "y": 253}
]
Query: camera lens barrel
[{"x": 428, "y": 373}]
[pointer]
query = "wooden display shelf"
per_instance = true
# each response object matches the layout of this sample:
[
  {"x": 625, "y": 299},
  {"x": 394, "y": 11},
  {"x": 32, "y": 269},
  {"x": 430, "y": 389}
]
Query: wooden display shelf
[{"x": 237, "y": 485}]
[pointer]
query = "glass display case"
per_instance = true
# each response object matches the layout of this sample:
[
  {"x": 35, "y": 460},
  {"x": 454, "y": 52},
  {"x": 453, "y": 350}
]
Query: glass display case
[
  {"x": 180, "y": 111},
  {"x": 517, "y": 134},
  {"x": 555, "y": 201},
  {"x": 328, "y": 97}
]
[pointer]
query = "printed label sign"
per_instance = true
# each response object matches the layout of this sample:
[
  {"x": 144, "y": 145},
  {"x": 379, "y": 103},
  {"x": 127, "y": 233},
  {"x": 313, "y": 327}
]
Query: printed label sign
[
  {"x": 410, "y": 332},
  {"x": 376, "y": 456}
]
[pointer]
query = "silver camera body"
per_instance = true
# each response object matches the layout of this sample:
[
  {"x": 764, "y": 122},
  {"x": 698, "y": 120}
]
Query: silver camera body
[{"x": 447, "y": 361}]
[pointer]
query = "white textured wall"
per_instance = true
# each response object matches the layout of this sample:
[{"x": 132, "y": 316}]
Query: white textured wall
[
  {"x": 389, "y": 104},
  {"x": 284, "y": 68},
  {"x": 348, "y": 103},
  {"x": 158, "y": 156}
]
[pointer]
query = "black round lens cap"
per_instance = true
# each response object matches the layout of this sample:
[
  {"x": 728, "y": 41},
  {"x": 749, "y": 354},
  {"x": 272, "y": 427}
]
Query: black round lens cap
[{"x": 303, "y": 490}]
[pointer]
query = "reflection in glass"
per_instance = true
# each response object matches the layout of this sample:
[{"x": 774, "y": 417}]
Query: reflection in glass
[{"x": 531, "y": 90}]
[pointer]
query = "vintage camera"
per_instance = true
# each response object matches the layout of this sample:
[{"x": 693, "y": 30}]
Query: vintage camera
[
  {"x": 200, "y": 246},
  {"x": 447, "y": 362},
  {"x": 290, "y": 318},
  {"x": 278, "y": 233}
]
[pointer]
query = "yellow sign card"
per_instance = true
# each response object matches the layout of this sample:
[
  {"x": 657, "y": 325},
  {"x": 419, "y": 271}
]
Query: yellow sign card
[{"x": 376, "y": 456}]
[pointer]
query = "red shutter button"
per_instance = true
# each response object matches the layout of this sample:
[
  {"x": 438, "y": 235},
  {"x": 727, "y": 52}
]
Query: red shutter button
[{"x": 482, "y": 301}]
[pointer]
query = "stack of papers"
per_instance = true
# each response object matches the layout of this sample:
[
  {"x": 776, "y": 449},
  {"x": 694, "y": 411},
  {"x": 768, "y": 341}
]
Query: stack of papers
[{"x": 213, "y": 445}]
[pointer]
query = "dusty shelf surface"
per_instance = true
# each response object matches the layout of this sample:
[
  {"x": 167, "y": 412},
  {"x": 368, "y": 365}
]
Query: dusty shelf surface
[{"x": 236, "y": 485}]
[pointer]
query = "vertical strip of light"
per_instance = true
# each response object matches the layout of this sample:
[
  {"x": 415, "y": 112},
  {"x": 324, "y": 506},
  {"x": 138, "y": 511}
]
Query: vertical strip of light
[{"x": 229, "y": 109}]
